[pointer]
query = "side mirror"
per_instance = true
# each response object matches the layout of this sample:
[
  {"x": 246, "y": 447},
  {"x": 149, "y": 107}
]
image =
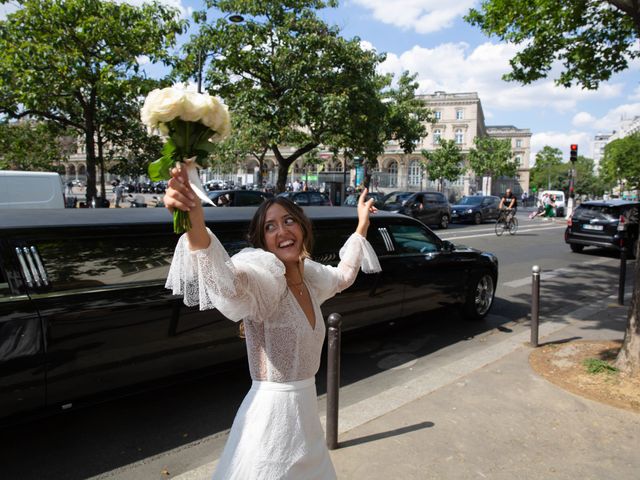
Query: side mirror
[{"x": 447, "y": 246}]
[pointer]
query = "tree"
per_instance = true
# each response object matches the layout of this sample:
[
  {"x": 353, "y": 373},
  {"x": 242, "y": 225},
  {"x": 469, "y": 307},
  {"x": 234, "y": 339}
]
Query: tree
[
  {"x": 297, "y": 78},
  {"x": 621, "y": 162},
  {"x": 490, "y": 158},
  {"x": 593, "y": 39},
  {"x": 59, "y": 60},
  {"x": 547, "y": 172},
  {"x": 445, "y": 162},
  {"x": 29, "y": 145}
]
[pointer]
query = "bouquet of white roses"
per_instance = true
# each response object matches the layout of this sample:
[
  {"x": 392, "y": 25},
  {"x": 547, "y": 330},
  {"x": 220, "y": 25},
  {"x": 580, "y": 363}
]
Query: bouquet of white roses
[{"x": 192, "y": 122}]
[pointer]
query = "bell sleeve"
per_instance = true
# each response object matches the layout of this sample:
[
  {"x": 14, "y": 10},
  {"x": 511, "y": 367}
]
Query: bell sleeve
[
  {"x": 240, "y": 287},
  {"x": 356, "y": 254}
]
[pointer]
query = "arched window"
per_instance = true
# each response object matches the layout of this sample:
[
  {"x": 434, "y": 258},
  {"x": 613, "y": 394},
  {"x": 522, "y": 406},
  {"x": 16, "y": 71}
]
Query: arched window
[
  {"x": 392, "y": 171},
  {"x": 437, "y": 133},
  {"x": 415, "y": 173},
  {"x": 82, "y": 170},
  {"x": 71, "y": 170},
  {"x": 459, "y": 136}
]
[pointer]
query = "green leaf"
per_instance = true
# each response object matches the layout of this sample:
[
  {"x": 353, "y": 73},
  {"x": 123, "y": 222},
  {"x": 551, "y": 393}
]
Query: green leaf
[{"x": 161, "y": 168}]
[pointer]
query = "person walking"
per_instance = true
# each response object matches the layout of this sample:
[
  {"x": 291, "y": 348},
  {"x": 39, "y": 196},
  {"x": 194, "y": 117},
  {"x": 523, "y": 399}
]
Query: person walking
[
  {"x": 119, "y": 193},
  {"x": 276, "y": 290}
]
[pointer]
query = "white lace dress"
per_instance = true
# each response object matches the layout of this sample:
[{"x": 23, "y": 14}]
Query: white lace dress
[{"x": 276, "y": 433}]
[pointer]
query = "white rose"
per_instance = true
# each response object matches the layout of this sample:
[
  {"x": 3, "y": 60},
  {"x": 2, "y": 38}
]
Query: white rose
[
  {"x": 162, "y": 105},
  {"x": 194, "y": 106},
  {"x": 217, "y": 118}
]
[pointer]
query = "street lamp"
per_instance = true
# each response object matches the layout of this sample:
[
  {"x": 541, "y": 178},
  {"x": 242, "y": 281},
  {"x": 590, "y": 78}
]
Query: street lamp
[{"x": 233, "y": 18}]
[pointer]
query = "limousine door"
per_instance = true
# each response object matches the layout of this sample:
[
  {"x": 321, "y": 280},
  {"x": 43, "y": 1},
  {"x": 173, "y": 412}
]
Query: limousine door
[
  {"x": 373, "y": 298},
  {"x": 432, "y": 277},
  {"x": 22, "y": 372},
  {"x": 110, "y": 321}
]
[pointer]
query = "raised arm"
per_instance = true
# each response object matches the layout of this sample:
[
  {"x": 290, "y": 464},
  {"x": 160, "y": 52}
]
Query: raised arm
[
  {"x": 365, "y": 207},
  {"x": 180, "y": 195}
]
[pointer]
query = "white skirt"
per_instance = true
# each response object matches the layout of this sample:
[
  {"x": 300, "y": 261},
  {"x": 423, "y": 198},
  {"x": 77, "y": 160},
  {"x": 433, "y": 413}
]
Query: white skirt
[{"x": 277, "y": 435}]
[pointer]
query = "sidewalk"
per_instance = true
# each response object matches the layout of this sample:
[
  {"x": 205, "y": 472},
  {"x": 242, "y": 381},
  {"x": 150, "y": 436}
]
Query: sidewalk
[
  {"x": 489, "y": 415},
  {"x": 502, "y": 421}
]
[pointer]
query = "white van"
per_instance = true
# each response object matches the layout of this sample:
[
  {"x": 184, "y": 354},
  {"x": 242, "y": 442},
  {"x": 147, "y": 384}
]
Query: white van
[
  {"x": 560, "y": 200},
  {"x": 30, "y": 189}
]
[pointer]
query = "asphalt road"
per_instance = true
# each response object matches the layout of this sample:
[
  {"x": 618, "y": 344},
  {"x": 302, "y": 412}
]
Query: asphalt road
[{"x": 178, "y": 427}]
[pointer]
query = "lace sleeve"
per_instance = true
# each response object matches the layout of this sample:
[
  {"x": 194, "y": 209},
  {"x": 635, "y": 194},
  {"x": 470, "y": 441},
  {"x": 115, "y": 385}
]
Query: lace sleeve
[
  {"x": 240, "y": 287},
  {"x": 357, "y": 253}
]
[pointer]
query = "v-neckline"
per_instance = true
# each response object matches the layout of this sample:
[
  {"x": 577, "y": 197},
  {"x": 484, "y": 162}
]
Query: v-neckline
[{"x": 313, "y": 307}]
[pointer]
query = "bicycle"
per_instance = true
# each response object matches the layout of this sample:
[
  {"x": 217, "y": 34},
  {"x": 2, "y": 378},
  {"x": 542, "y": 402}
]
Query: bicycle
[{"x": 506, "y": 222}]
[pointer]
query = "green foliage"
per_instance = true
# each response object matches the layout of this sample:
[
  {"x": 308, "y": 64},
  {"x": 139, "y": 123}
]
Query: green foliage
[
  {"x": 445, "y": 162},
  {"x": 595, "y": 365},
  {"x": 621, "y": 161},
  {"x": 592, "y": 39},
  {"x": 29, "y": 145},
  {"x": 73, "y": 61},
  {"x": 492, "y": 157}
]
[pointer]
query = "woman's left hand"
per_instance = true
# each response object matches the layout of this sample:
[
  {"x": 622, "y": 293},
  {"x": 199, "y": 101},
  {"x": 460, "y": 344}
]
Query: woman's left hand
[{"x": 365, "y": 207}]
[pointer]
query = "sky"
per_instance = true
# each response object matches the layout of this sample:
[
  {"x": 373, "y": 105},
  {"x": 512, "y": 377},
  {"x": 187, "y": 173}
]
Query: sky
[{"x": 430, "y": 38}]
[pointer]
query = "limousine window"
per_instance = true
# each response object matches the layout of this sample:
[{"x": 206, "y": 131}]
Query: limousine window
[
  {"x": 327, "y": 243},
  {"x": 413, "y": 239},
  {"x": 90, "y": 262}
]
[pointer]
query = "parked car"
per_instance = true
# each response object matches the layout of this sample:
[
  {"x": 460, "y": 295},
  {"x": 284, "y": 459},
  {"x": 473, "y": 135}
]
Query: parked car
[
  {"x": 596, "y": 223},
  {"x": 431, "y": 208},
  {"x": 305, "y": 199},
  {"x": 236, "y": 198},
  {"x": 352, "y": 200},
  {"x": 84, "y": 314},
  {"x": 476, "y": 209}
]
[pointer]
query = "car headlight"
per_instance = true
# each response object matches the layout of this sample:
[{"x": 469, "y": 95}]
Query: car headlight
[{"x": 470, "y": 210}]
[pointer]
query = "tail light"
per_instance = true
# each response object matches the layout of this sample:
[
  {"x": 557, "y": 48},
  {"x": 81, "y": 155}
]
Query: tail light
[{"x": 570, "y": 221}]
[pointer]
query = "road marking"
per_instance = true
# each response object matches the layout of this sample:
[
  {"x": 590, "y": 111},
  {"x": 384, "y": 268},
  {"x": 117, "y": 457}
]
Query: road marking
[
  {"x": 521, "y": 282},
  {"x": 506, "y": 234}
]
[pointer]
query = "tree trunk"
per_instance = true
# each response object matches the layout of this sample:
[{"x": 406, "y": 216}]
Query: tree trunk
[
  {"x": 285, "y": 163},
  {"x": 628, "y": 360},
  {"x": 91, "y": 158},
  {"x": 103, "y": 189}
]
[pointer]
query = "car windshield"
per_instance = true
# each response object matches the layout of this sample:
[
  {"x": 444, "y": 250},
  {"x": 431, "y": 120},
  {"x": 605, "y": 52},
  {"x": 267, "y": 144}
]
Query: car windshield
[
  {"x": 471, "y": 201},
  {"x": 397, "y": 198}
]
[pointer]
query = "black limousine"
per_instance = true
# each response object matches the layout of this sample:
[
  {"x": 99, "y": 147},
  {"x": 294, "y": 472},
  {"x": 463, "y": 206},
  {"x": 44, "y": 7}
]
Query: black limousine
[{"x": 84, "y": 313}]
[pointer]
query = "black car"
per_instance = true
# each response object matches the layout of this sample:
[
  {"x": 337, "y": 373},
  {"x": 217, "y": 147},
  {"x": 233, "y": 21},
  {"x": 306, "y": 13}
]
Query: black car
[
  {"x": 596, "y": 224},
  {"x": 304, "y": 199},
  {"x": 476, "y": 209},
  {"x": 431, "y": 208},
  {"x": 84, "y": 313},
  {"x": 236, "y": 198}
]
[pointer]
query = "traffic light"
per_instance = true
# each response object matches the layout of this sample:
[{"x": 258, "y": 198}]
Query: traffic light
[{"x": 574, "y": 152}]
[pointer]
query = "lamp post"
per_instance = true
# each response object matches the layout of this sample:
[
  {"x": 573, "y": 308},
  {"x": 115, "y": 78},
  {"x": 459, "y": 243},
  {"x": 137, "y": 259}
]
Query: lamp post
[{"x": 233, "y": 18}]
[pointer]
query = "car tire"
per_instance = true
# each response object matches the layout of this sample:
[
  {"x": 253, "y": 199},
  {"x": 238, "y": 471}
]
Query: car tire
[
  {"x": 576, "y": 248},
  {"x": 480, "y": 296},
  {"x": 444, "y": 222},
  {"x": 477, "y": 218}
]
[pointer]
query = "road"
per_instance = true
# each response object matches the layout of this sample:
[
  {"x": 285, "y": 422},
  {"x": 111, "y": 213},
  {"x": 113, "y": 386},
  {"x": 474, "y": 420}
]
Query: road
[{"x": 176, "y": 428}]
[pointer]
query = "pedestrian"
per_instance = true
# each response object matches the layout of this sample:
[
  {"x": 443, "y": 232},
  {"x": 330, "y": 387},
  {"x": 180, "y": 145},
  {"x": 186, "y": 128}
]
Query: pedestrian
[
  {"x": 540, "y": 206},
  {"x": 276, "y": 290},
  {"x": 119, "y": 193},
  {"x": 525, "y": 198},
  {"x": 69, "y": 187}
]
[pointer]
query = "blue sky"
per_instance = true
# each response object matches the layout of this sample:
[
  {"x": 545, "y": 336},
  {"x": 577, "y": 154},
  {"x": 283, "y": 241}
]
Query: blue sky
[{"x": 430, "y": 38}]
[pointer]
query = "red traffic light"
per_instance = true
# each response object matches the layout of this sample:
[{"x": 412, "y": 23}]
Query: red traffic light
[{"x": 573, "y": 154}]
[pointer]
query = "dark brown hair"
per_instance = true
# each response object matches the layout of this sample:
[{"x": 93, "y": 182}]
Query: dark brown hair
[{"x": 256, "y": 227}]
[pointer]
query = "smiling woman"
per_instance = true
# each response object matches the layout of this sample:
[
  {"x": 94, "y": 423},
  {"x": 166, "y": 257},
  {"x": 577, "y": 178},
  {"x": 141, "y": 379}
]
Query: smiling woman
[{"x": 276, "y": 290}]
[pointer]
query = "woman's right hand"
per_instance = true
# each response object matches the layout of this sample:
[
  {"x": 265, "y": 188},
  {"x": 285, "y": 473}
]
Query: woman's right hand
[{"x": 179, "y": 193}]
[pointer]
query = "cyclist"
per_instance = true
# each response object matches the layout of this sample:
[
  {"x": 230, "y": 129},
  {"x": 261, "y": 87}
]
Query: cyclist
[{"x": 509, "y": 203}]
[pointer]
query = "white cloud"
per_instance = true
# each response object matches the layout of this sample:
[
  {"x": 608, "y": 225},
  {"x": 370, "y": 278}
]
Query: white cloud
[
  {"x": 561, "y": 140},
  {"x": 583, "y": 119},
  {"x": 7, "y": 8},
  {"x": 611, "y": 120},
  {"x": 423, "y": 16},
  {"x": 368, "y": 46},
  {"x": 454, "y": 67},
  {"x": 143, "y": 60},
  {"x": 635, "y": 95}
]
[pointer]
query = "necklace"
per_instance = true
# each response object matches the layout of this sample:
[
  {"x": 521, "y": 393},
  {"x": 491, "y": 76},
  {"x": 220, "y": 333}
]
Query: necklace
[{"x": 297, "y": 286}]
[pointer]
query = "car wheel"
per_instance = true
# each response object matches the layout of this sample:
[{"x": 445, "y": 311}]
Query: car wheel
[
  {"x": 480, "y": 296},
  {"x": 576, "y": 248},
  {"x": 477, "y": 218},
  {"x": 444, "y": 221}
]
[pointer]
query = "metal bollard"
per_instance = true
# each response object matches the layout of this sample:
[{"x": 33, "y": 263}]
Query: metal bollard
[
  {"x": 535, "y": 304},
  {"x": 623, "y": 274},
  {"x": 333, "y": 379}
]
